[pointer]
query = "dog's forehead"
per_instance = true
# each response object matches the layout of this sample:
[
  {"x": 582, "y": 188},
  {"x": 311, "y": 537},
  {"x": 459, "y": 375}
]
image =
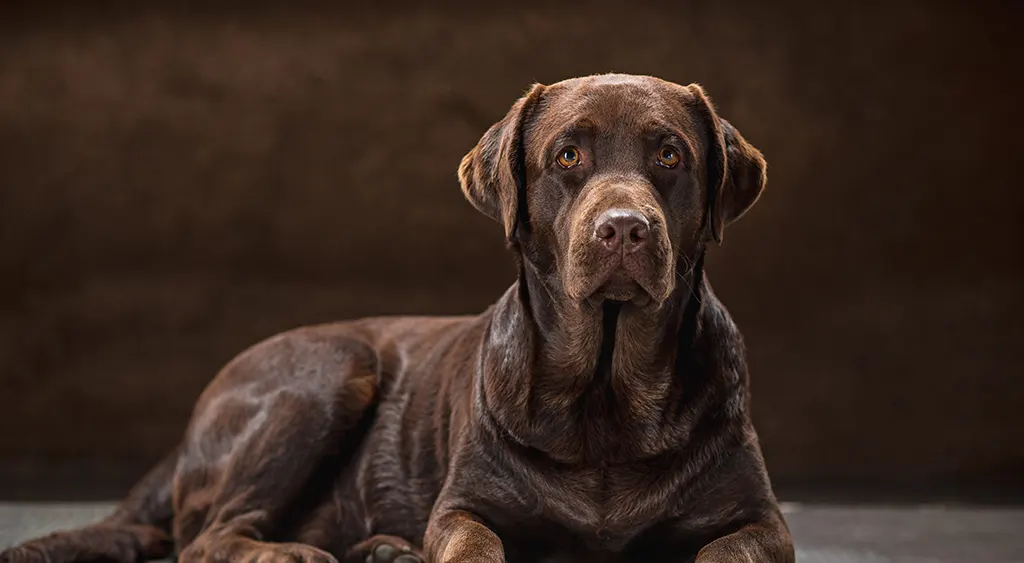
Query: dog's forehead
[{"x": 626, "y": 103}]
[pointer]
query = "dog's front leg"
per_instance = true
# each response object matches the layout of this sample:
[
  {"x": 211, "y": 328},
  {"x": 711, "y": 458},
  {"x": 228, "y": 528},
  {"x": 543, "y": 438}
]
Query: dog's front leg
[
  {"x": 765, "y": 541},
  {"x": 458, "y": 536}
]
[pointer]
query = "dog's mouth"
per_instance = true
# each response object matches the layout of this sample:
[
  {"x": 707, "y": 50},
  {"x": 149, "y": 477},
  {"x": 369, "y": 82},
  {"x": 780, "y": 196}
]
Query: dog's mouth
[
  {"x": 621, "y": 287},
  {"x": 621, "y": 282}
]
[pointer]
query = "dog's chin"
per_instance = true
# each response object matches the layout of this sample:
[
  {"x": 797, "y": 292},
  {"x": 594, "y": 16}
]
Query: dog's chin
[{"x": 620, "y": 287}]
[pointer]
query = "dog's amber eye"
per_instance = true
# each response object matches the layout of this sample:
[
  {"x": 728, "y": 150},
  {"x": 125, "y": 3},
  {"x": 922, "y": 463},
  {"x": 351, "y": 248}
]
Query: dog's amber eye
[
  {"x": 569, "y": 157},
  {"x": 668, "y": 157}
]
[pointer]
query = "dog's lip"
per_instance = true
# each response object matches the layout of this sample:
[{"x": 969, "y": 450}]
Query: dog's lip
[
  {"x": 620, "y": 286},
  {"x": 613, "y": 279},
  {"x": 635, "y": 295}
]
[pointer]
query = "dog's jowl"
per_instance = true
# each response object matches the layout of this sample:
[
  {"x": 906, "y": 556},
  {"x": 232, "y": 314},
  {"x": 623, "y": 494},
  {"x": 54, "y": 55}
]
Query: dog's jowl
[{"x": 598, "y": 411}]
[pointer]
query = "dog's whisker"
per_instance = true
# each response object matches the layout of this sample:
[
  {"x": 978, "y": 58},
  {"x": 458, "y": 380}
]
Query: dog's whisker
[{"x": 690, "y": 265}]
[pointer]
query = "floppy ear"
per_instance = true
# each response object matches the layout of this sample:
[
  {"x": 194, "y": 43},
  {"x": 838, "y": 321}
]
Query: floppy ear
[
  {"x": 493, "y": 173},
  {"x": 736, "y": 171}
]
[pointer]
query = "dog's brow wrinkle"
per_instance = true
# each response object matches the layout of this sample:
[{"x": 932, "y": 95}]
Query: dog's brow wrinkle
[
  {"x": 661, "y": 128},
  {"x": 580, "y": 127}
]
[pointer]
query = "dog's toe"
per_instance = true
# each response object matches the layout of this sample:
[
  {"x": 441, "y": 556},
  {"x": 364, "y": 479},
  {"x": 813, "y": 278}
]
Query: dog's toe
[
  {"x": 391, "y": 553},
  {"x": 22, "y": 554},
  {"x": 385, "y": 549},
  {"x": 385, "y": 553}
]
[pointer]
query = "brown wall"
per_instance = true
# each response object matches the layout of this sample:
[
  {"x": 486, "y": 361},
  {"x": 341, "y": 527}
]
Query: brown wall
[{"x": 176, "y": 184}]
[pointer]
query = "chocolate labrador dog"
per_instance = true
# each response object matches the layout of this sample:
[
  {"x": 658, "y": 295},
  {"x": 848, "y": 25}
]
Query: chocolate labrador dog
[{"x": 597, "y": 412}]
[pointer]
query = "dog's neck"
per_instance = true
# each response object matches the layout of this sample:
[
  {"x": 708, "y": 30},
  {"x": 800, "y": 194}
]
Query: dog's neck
[{"x": 591, "y": 382}]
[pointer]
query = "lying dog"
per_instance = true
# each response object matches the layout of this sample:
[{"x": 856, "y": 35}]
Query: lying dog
[{"x": 597, "y": 412}]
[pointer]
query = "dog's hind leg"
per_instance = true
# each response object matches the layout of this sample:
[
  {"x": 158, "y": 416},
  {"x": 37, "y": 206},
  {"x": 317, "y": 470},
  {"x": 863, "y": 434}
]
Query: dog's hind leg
[
  {"x": 274, "y": 417},
  {"x": 138, "y": 529}
]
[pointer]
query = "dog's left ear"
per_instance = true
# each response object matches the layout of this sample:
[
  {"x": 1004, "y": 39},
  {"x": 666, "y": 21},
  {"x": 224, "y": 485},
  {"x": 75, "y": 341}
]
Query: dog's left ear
[
  {"x": 736, "y": 170},
  {"x": 493, "y": 173}
]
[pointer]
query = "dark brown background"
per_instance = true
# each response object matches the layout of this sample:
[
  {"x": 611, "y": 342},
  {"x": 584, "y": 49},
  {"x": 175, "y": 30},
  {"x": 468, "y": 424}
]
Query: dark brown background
[{"x": 177, "y": 183}]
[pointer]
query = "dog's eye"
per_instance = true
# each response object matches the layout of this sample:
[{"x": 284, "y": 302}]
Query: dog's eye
[
  {"x": 668, "y": 157},
  {"x": 569, "y": 157}
]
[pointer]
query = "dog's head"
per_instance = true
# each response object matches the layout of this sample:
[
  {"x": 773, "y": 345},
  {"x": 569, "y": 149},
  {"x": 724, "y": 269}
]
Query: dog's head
[{"x": 611, "y": 185}]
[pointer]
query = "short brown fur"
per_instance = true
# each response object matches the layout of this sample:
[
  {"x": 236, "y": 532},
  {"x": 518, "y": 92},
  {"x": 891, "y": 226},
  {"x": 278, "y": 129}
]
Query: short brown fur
[{"x": 597, "y": 412}]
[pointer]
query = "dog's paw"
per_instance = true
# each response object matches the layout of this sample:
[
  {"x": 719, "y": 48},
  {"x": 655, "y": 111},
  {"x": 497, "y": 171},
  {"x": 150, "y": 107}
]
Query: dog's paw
[
  {"x": 19, "y": 554},
  {"x": 387, "y": 549},
  {"x": 252, "y": 551},
  {"x": 292, "y": 553},
  {"x": 387, "y": 553}
]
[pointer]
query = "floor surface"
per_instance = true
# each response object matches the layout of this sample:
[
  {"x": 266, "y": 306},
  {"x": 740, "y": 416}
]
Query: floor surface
[{"x": 823, "y": 534}]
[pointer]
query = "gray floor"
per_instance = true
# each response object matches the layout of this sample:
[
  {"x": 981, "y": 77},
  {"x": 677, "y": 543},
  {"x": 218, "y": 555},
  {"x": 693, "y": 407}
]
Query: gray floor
[{"x": 824, "y": 534}]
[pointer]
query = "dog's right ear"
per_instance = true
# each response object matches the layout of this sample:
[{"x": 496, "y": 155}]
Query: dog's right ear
[{"x": 493, "y": 173}]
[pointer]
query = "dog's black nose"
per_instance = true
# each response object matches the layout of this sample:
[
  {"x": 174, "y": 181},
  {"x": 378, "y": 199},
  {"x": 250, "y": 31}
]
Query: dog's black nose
[{"x": 622, "y": 228}]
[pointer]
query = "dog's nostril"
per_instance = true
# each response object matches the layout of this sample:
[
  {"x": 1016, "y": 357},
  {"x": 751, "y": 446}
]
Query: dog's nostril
[
  {"x": 638, "y": 232},
  {"x": 606, "y": 230}
]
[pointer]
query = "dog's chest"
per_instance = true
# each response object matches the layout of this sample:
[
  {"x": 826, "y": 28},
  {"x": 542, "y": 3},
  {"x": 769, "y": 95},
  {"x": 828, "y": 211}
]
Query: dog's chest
[{"x": 604, "y": 509}]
